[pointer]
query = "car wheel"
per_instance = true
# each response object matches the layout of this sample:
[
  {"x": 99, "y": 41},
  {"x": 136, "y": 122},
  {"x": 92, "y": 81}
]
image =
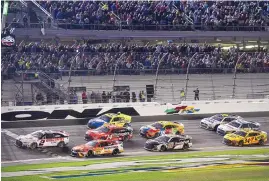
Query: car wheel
[
  {"x": 163, "y": 148},
  {"x": 61, "y": 144},
  {"x": 241, "y": 143},
  {"x": 33, "y": 146},
  {"x": 89, "y": 154},
  {"x": 156, "y": 135},
  {"x": 261, "y": 142},
  {"x": 115, "y": 152},
  {"x": 185, "y": 147},
  {"x": 216, "y": 127},
  {"x": 125, "y": 138}
]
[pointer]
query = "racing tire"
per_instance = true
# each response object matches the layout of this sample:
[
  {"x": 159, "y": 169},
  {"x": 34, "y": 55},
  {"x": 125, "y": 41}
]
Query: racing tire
[
  {"x": 163, "y": 148},
  {"x": 125, "y": 138},
  {"x": 185, "y": 147},
  {"x": 216, "y": 127},
  {"x": 126, "y": 125},
  {"x": 241, "y": 143},
  {"x": 115, "y": 152},
  {"x": 33, "y": 145},
  {"x": 90, "y": 154},
  {"x": 261, "y": 142},
  {"x": 61, "y": 144},
  {"x": 156, "y": 135}
]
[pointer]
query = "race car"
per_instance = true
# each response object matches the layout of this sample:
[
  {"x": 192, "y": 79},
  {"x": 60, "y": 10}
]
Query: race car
[
  {"x": 237, "y": 125},
  {"x": 169, "y": 142},
  {"x": 118, "y": 119},
  {"x": 43, "y": 138},
  {"x": 108, "y": 131},
  {"x": 241, "y": 138},
  {"x": 98, "y": 147},
  {"x": 160, "y": 128},
  {"x": 212, "y": 123}
]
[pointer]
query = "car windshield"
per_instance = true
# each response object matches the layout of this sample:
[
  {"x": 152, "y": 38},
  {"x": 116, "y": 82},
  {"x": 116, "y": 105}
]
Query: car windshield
[
  {"x": 241, "y": 133},
  {"x": 217, "y": 117},
  {"x": 37, "y": 134},
  {"x": 105, "y": 118},
  {"x": 157, "y": 125},
  {"x": 91, "y": 143},
  {"x": 162, "y": 139},
  {"x": 234, "y": 124},
  {"x": 102, "y": 129}
]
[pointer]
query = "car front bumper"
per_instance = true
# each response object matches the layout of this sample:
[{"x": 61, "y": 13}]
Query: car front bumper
[{"x": 206, "y": 126}]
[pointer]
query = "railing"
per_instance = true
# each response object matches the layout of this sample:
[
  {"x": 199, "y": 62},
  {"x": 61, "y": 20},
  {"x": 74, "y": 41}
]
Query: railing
[
  {"x": 156, "y": 27},
  {"x": 214, "y": 84}
]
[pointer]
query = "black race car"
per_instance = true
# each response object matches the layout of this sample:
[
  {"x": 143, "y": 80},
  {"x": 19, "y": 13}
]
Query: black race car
[{"x": 169, "y": 142}]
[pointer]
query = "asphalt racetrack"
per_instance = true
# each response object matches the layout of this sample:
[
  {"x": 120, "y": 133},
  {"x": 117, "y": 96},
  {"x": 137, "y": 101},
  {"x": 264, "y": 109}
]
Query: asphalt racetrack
[{"x": 202, "y": 140}]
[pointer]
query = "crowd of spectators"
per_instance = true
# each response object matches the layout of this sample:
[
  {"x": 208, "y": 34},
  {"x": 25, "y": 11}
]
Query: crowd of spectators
[
  {"x": 101, "y": 59},
  {"x": 172, "y": 15}
]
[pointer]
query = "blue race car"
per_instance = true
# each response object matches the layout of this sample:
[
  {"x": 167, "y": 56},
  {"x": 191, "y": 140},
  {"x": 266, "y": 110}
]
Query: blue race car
[{"x": 118, "y": 119}]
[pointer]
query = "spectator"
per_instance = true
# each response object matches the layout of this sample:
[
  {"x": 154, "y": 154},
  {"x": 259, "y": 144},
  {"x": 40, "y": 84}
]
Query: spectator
[
  {"x": 84, "y": 97},
  {"x": 104, "y": 97},
  {"x": 168, "y": 15},
  {"x": 196, "y": 94}
]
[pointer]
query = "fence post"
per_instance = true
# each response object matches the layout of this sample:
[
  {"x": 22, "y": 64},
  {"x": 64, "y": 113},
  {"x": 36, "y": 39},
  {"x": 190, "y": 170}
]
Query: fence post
[
  {"x": 22, "y": 88},
  {"x": 187, "y": 76},
  {"x": 235, "y": 71},
  {"x": 212, "y": 83}
]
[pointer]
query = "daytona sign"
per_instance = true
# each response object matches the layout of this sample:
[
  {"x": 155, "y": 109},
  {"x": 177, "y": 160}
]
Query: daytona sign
[{"x": 63, "y": 114}]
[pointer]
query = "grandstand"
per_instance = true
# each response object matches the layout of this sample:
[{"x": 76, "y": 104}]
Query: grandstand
[{"x": 156, "y": 47}]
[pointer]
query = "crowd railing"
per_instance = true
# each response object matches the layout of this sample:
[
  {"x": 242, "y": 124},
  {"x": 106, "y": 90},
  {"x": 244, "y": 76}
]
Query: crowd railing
[{"x": 144, "y": 27}]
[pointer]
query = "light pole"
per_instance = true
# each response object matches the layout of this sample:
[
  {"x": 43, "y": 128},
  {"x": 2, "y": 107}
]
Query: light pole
[
  {"x": 235, "y": 71},
  {"x": 187, "y": 76},
  {"x": 69, "y": 79},
  {"x": 115, "y": 70},
  {"x": 157, "y": 75}
]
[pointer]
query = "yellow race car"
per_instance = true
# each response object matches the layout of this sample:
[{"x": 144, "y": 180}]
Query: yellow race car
[
  {"x": 241, "y": 138},
  {"x": 160, "y": 128},
  {"x": 119, "y": 119}
]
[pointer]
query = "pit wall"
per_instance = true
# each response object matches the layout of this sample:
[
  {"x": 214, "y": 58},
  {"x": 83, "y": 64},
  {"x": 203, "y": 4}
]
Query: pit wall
[
  {"x": 61, "y": 115},
  {"x": 138, "y": 109}
]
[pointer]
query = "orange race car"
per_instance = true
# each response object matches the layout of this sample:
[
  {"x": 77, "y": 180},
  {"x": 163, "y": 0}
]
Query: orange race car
[
  {"x": 108, "y": 131},
  {"x": 98, "y": 147}
]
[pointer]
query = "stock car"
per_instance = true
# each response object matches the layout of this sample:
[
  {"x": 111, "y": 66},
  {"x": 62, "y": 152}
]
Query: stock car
[
  {"x": 98, "y": 147},
  {"x": 108, "y": 131},
  {"x": 160, "y": 128},
  {"x": 237, "y": 125},
  {"x": 241, "y": 138},
  {"x": 43, "y": 138},
  {"x": 169, "y": 142},
  {"x": 212, "y": 123},
  {"x": 118, "y": 119}
]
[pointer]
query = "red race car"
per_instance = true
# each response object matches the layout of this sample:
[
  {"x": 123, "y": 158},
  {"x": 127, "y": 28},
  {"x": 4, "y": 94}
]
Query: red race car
[{"x": 109, "y": 132}]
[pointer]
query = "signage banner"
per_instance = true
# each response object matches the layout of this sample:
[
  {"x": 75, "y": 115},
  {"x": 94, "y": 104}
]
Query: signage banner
[{"x": 8, "y": 40}]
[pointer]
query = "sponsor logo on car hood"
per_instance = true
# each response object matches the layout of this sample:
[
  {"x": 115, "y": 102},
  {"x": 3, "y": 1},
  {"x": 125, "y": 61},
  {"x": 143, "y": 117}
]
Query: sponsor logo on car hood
[
  {"x": 96, "y": 120},
  {"x": 227, "y": 127},
  {"x": 27, "y": 137},
  {"x": 81, "y": 147}
]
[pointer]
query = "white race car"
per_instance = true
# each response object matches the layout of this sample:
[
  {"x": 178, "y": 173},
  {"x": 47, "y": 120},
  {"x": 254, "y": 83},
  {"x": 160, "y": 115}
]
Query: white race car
[
  {"x": 43, "y": 138},
  {"x": 237, "y": 125},
  {"x": 212, "y": 123}
]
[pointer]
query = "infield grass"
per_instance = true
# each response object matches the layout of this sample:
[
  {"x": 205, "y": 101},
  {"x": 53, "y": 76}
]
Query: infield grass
[
  {"x": 178, "y": 155},
  {"x": 247, "y": 173}
]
